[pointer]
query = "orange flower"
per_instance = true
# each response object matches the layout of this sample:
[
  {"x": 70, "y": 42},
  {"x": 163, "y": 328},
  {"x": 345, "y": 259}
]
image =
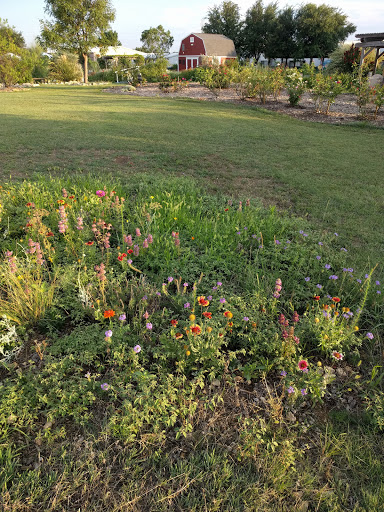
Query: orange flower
[
  {"x": 316, "y": 297},
  {"x": 228, "y": 314},
  {"x": 109, "y": 313},
  {"x": 178, "y": 335},
  {"x": 174, "y": 323},
  {"x": 196, "y": 329},
  {"x": 335, "y": 299},
  {"x": 88, "y": 243},
  {"x": 230, "y": 324},
  {"x": 202, "y": 301},
  {"x": 207, "y": 314}
]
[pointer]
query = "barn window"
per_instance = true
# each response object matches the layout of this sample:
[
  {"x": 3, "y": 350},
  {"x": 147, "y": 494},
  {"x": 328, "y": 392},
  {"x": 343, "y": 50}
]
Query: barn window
[
  {"x": 182, "y": 47},
  {"x": 191, "y": 39}
]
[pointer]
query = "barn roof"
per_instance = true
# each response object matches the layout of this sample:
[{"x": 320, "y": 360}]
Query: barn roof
[{"x": 217, "y": 45}]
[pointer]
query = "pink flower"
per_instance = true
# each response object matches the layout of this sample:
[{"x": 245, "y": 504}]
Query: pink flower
[{"x": 100, "y": 193}]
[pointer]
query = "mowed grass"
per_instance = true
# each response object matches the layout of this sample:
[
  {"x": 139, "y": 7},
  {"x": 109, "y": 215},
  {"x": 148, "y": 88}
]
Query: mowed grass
[{"x": 331, "y": 174}]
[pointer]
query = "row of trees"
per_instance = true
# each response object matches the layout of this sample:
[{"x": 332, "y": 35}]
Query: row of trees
[{"x": 307, "y": 32}]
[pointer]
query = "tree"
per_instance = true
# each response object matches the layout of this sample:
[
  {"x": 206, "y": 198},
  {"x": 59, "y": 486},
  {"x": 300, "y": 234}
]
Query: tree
[
  {"x": 283, "y": 42},
  {"x": 259, "y": 27},
  {"x": 225, "y": 19},
  {"x": 78, "y": 26},
  {"x": 156, "y": 40},
  {"x": 320, "y": 29},
  {"x": 13, "y": 67}
]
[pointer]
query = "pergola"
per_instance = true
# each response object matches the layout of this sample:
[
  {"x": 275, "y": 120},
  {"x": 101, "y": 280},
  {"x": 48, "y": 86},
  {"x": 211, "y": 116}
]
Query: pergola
[{"x": 369, "y": 43}]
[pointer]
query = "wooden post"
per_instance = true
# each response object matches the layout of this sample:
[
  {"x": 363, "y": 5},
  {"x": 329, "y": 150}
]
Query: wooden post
[{"x": 376, "y": 58}]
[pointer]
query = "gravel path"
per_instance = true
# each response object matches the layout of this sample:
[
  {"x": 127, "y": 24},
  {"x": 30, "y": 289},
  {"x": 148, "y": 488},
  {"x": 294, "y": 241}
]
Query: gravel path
[{"x": 343, "y": 111}]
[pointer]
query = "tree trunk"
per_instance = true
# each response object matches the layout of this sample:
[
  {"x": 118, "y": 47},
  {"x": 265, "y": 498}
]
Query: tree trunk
[{"x": 85, "y": 67}]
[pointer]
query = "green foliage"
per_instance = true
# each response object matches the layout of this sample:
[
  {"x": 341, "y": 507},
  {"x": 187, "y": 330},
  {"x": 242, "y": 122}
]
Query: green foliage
[
  {"x": 295, "y": 86},
  {"x": 65, "y": 68},
  {"x": 14, "y": 64},
  {"x": 215, "y": 77},
  {"x": 77, "y": 26},
  {"x": 154, "y": 70},
  {"x": 259, "y": 26},
  {"x": 156, "y": 40},
  {"x": 325, "y": 91},
  {"x": 169, "y": 84}
]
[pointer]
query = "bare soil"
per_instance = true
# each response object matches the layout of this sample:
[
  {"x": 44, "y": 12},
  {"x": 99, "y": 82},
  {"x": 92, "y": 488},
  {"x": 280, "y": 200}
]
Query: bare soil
[{"x": 343, "y": 111}]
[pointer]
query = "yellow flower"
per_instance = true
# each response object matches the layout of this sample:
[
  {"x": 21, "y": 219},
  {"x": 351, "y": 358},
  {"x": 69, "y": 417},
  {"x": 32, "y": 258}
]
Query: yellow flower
[
  {"x": 319, "y": 364},
  {"x": 317, "y": 320},
  {"x": 209, "y": 329},
  {"x": 174, "y": 218},
  {"x": 188, "y": 353},
  {"x": 152, "y": 197},
  {"x": 192, "y": 317},
  {"x": 356, "y": 328}
]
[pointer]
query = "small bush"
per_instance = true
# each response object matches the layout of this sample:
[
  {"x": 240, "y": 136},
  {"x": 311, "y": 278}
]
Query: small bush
[{"x": 65, "y": 68}]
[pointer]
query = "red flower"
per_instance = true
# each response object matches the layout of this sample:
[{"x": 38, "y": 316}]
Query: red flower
[
  {"x": 88, "y": 243},
  {"x": 178, "y": 335},
  {"x": 109, "y": 313},
  {"x": 174, "y": 323},
  {"x": 50, "y": 233},
  {"x": 196, "y": 329},
  {"x": 335, "y": 299},
  {"x": 129, "y": 251},
  {"x": 226, "y": 209},
  {"x": 303, "y": 365},
  {"x": 316, "y": 297},
  {"x": 120, "y": 257},
  {"x": 207, "y": 314},
  {"x": 202, "y": 301}
]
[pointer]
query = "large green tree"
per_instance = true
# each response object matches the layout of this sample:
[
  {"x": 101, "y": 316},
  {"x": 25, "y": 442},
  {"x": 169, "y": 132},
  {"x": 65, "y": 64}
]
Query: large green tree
[
  {"x": 77, "y": 26},
  {"x": 320, "y": 29},
  {"x": 156, "y": 40},
  {"x": 259, "y": 27},
  {"x": 283, "y": 42},
  {"x": 14, "y": 68},
  {"x": 225, "y": 19}
]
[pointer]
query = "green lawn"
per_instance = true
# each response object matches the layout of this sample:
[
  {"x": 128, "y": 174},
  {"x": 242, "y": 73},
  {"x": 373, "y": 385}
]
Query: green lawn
[{"x": 332, "y": 174}]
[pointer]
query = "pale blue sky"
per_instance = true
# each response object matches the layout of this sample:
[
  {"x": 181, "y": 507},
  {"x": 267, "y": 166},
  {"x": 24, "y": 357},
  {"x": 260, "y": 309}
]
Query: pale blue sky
[{"x": 181, "y": 17}]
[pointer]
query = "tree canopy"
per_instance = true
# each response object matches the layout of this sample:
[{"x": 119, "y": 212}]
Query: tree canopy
[
  {"x": 156, "y": 40},
  {"x": 307, "y": 32},
  {"x": 77, "y": 26}
]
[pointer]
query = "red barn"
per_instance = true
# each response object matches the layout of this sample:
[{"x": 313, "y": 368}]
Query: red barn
[{"x": 216, "y": 46}]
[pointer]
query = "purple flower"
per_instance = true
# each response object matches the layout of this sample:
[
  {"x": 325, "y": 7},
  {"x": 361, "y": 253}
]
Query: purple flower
[
  {"x": 377, "y": 283},
  {"x": 104, "y": 386},
  {"x": 246, "y": 319},
  {"x": 303, "y": 391},
  {"x": 187, "y": 305},
  {"x": 305, "y": 234},
  {"x": 301, "y": 232},
  {"x": 343, "y": 249},
  {"x": 219, "y": 283},
  {"x": 333, "y": 277},
  {"x": 307, "y": 279},
  {"x": 327, "y": 266},
  {"x": 238, "y": 232},
  {"x": 283, "y": 373},
  {"x": 369, "y": 335},
  {"x": 318, "y": 257},
  {"x": 158, "y": 294},
  {"x": 291, "y": 389},
  {"x": 137, "y": 349},
  {"x": 222, "y": 300},
  {"x": 336, "y": 234},
  {"x": 209, "y": 297},
  {"x": 245, "y": 228},
  {"x": 319, "y": 286},
  {"x": 277, "y": 242},
  {"x": 144, "y": 297},
  {"x": 170, "y": 279},
  {"x": 122, "y": 317},
  {"x": 108, "y": 333},
  {"x": 214, "y": 288},
  {"x": 358, "y": 280},
  {"x": 378, "y": 292},
  {"x": 185, "y": 285},
  {"x": 366, "y": 276},
  {"x": 129, "y": 262},
  {"x": 149, "y": 325},
  {"x": 254, "y": 236}
]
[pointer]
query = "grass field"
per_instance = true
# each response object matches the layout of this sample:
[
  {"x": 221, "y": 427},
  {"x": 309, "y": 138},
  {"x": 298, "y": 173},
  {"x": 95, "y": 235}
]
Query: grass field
[
  {"x": 330, "y": 174},
  {"x": 134, "y": 411}
]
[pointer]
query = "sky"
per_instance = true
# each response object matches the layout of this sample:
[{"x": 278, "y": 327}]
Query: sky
[{"x": 181, "y": 17}]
